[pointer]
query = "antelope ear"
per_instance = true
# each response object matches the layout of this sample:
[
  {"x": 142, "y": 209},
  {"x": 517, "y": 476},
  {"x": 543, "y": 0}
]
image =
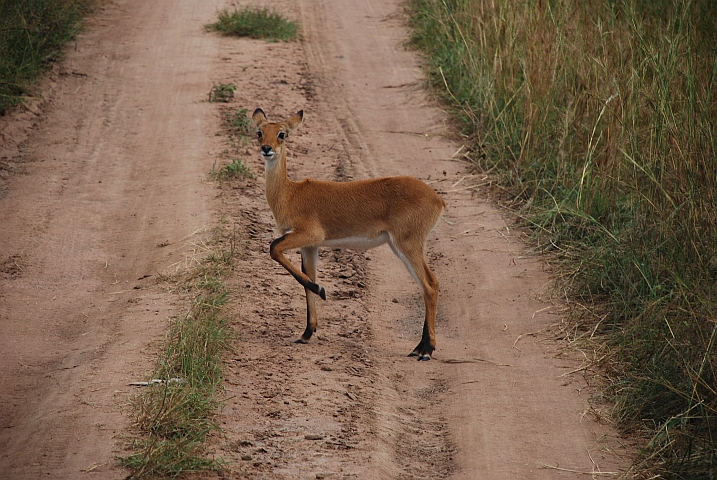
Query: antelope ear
[
  {"x": 295, "y": 120},
  {"x": 258, "y": 118}
]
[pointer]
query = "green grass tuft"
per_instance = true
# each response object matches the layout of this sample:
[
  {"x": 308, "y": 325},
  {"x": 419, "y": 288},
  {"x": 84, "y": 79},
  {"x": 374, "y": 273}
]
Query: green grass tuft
[
  {"x": 222, "y": 92},
  {"x": 260, "y": 23},
  {"x": 239, "y": 127},
  {"x": 240, "y": 122},
  {"x": 236, "y": 168}
]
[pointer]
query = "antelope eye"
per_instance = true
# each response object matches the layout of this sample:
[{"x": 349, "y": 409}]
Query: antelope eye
[
  {"x": 259, "y": 134},
  {"x": 281, "y": 135}
]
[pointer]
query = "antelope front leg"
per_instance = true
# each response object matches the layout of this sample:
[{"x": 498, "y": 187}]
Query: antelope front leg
[
  {"x": 287, "y": 242},
  {"x": 309, "y": 262}
]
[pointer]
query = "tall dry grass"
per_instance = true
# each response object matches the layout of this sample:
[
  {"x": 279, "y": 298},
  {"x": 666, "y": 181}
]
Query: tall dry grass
[
  {"x": 601, "y": 118},
  {"x": 32, "y": 33}
]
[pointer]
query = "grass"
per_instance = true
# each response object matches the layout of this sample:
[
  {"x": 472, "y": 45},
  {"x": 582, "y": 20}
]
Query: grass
[
  {"x": 32, "y": 33},
  {"x": 240, "y": 122},
  {"x": 252, "y": 22},
  {"x": 222, "y": 92},
  {"x": 239, "y": 128},
  {"x": 600, "y": 119},
  {"x": 173, "y": 419},
  {"x": 236, "y": 168}
]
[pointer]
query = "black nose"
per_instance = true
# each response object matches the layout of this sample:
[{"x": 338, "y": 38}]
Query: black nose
[{"x": 266, "y": 150}]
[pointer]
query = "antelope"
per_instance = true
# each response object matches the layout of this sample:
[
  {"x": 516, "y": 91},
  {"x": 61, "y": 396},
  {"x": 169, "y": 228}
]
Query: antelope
[{"x": 362, "y": 214}]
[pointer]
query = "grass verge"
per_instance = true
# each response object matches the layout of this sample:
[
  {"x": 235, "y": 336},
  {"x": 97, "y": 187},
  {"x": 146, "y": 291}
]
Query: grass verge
[
  {"x": 174, "y": 417},
  {"x": 32, "y": 33},
  {"x": 238, "y": 128},
  {"x": 600, "y": 119},
  {"x": 255, "y": 22}
]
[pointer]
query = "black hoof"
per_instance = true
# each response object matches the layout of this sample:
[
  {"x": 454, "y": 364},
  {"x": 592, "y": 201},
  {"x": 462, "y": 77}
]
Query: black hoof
[
  {"x": 318, "y": 290},
  {"x": 422, "y": 357},
  {"x": 306, "y": 335},
  {"x": 422, "y": 352}
]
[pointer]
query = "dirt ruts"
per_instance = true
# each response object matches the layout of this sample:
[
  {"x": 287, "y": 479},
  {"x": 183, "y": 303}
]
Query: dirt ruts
[{"x": 107, "y": 187}]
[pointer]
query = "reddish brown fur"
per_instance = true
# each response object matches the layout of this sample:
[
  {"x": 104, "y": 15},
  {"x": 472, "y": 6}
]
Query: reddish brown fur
[{"x": 309, "y": 214}]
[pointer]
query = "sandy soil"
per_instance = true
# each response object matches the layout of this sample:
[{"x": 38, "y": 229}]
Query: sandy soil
[{"x": 105, "y": 183}]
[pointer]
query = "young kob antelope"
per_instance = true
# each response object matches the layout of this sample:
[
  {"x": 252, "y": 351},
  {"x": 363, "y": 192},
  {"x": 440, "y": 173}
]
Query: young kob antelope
[{"x": 363, "y": 214}]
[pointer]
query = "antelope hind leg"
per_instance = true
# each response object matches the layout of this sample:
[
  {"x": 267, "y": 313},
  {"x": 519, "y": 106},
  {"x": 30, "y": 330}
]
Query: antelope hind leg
[
  {"x": 430, "y": 285},
  {"x": 412, "y": 256}
]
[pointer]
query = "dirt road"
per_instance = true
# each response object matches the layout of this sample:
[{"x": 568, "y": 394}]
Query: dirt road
[{"x": 105, "y": 185}]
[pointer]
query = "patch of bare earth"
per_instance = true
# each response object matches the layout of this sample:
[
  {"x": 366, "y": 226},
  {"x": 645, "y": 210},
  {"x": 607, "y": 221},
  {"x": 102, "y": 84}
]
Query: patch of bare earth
[{"x": 114, "y": 189}]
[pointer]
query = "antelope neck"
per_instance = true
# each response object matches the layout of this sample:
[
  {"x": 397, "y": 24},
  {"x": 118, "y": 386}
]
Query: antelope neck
[{"x": 276, "y": 185}]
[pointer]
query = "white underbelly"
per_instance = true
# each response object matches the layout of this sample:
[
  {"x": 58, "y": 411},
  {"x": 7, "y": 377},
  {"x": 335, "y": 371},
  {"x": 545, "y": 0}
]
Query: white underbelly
[{"x": 358, "y": 243}]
